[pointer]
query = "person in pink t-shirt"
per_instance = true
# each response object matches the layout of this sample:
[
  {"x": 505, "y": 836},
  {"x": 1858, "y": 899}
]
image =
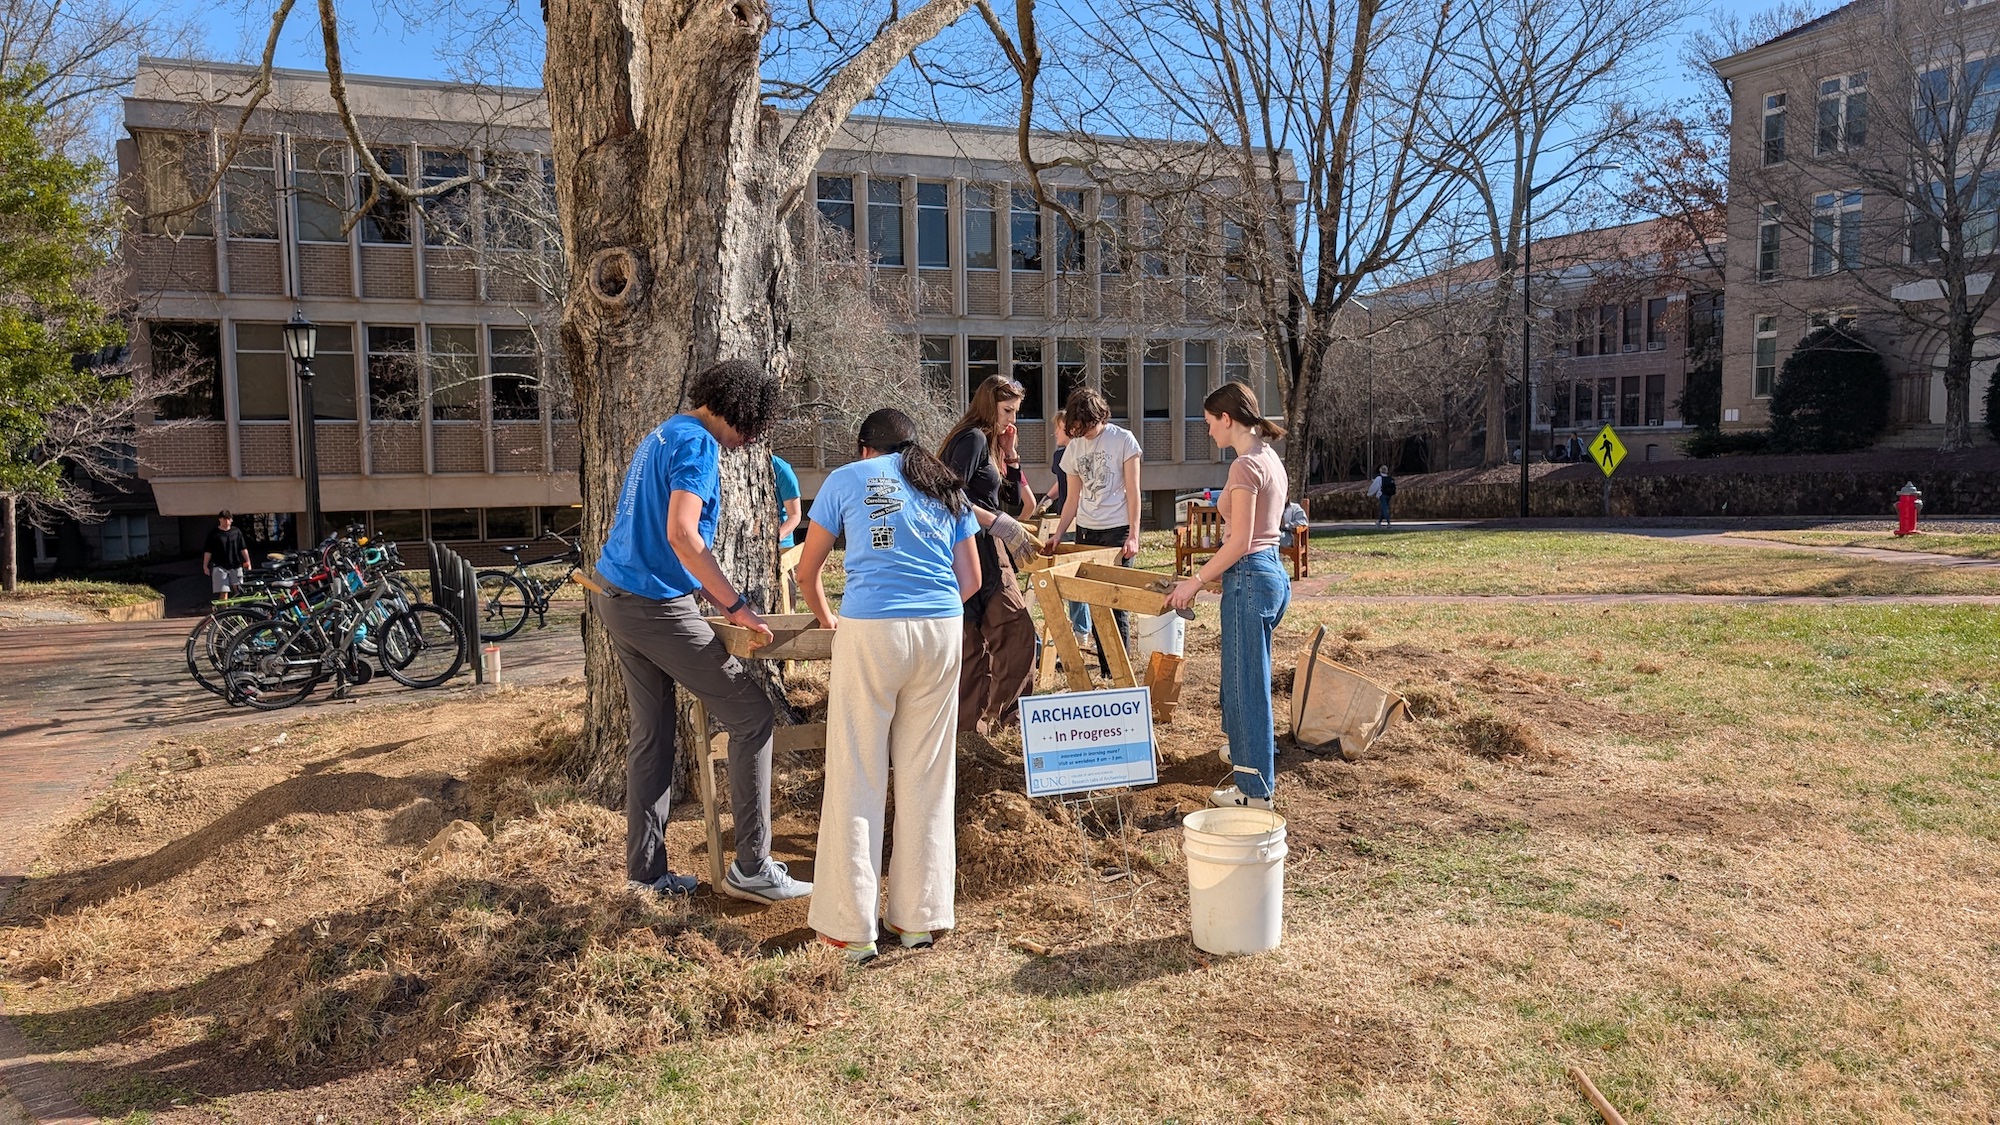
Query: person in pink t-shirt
[{"x": 1255, "y": 590}]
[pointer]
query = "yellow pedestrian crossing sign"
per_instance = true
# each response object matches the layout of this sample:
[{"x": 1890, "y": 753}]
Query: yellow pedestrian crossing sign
[{"x": 1607, "y": 450}]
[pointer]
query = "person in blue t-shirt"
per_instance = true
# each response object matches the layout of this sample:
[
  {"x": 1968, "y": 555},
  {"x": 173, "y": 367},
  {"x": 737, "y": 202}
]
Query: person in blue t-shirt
[
  {"x": 788, "y": 501},
  {"x": 656, "y": 559},
  {"x": 892, "y": 699}
]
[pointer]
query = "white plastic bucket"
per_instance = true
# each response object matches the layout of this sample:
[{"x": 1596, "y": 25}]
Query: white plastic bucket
[
  {"x": 1166, "y": 633},
  {"x": 1236, "y": 878}
]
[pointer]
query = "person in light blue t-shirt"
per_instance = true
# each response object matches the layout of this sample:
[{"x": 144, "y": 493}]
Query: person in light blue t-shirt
[
  {"x": 892, "y": 700},
  {"x": 788, "y": 501}
]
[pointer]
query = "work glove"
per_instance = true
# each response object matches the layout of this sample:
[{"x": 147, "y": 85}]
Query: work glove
[{"x": 1014, "y": 539}]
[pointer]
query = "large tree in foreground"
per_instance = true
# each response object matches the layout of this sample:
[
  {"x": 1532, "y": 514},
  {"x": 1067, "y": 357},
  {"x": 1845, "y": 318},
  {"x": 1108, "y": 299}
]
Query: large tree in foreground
[{"x": 674, "y": 179}]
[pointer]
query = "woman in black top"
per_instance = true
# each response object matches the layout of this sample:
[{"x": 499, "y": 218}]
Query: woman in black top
[{"x": 999, "y": 634}]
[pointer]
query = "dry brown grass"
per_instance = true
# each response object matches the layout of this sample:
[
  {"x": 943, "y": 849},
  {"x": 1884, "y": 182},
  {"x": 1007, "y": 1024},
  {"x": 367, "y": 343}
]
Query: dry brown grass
[{"x": 1756, "y": 884}]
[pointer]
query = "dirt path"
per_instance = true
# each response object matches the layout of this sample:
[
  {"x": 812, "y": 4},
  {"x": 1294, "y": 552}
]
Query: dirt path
[{"x": 1871, "y": 554}]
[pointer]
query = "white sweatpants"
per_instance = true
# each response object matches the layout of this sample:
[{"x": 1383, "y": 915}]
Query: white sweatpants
[{"x": 892, "y": 705}]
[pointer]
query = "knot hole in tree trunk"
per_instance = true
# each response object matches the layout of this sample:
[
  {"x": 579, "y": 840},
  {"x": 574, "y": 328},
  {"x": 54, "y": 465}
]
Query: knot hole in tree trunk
[{"x": 616, "y": 278}]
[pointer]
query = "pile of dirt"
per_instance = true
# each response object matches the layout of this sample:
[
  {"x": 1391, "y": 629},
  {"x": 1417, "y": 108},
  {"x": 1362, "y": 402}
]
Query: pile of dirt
[{"x": 504, "y": 959}]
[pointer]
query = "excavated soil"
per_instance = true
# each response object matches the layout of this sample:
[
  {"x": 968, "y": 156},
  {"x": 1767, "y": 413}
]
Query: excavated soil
[{"x": 362, "y": 903}]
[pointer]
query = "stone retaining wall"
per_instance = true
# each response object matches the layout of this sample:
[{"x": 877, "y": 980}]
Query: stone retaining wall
[{"x": 1815, "y": 493}]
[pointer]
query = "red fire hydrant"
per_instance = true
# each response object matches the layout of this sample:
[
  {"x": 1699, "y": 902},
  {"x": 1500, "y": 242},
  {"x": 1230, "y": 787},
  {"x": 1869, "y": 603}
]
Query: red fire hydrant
[{"x": 1909, "y": 502}]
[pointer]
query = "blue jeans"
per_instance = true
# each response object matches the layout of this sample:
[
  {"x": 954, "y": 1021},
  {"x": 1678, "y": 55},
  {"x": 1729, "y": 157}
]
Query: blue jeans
[
  {"x": 1382, "y": 515},
  {"x": 1255, "y": 593},
  {"x": 1079, "y": 616}
]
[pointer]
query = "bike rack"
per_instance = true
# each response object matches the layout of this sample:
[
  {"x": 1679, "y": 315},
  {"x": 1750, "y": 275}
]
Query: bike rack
[{"x": 456, "y": 588}]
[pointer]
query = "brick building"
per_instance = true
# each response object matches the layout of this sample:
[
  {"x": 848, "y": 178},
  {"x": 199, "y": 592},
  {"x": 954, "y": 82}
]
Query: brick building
[{"x": 434, "y": 416}]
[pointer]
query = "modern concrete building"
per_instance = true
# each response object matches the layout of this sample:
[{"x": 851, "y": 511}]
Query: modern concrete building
[{"x": 434, "y": 416}]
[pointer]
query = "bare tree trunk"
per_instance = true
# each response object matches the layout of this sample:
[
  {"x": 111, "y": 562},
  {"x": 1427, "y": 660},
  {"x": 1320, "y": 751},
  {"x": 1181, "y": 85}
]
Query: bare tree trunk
[
  {"x": 10, "y": 551},
  {"x": 663, "y": 161},
  {"x": 1959, "y": 343}
]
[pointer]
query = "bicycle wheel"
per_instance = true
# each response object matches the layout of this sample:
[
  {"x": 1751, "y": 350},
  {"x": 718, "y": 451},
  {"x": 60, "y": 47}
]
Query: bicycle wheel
[
  {"x": 503, "y": 605},
  {"x": 205, "y": 641},
  {"x": 271, "y": 664},
  {"x": 422, "y": 646}
]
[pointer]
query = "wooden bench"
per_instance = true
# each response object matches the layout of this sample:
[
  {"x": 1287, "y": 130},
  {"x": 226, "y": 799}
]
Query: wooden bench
[{"x": 1202, "y": 536}]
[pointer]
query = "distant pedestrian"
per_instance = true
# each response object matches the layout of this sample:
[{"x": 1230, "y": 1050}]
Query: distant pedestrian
[
  {"x": 225, "y": 556},
  {"x": 1383, "y": 489}
]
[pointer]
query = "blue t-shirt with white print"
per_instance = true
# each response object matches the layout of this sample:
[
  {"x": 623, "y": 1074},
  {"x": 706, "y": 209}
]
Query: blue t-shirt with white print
[
  {"x": 680, "y": 455},
  {"x": 899, "y": 541}
]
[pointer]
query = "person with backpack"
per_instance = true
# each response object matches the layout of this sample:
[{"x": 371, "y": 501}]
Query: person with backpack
[{"x": 1383, "y": 489}]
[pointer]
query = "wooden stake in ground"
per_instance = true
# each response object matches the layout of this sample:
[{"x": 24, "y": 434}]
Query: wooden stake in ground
[{"x": 1596, "y": 1100}]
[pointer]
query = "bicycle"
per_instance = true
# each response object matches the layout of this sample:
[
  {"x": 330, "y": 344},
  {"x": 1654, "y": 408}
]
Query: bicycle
[
  {"x": 278, "y": 662},
  {"x": 506, "y": 597}
]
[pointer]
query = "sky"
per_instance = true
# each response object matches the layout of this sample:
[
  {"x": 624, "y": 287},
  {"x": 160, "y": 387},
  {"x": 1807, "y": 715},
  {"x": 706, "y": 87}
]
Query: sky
[{"x": 411, "y": 39}]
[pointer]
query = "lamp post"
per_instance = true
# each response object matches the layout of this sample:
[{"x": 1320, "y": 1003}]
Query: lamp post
[{"x": 301, "y": 342}]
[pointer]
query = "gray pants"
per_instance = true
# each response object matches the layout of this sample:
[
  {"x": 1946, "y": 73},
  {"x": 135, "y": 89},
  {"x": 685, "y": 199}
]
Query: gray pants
[{"x": 660, "y": 644}]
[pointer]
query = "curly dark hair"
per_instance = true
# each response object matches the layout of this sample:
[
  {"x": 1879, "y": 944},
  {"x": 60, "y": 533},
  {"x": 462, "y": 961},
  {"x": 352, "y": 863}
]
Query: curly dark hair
[{"x": 740, "y": 393}]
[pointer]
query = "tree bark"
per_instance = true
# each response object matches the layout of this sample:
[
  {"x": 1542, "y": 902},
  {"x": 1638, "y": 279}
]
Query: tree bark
[
  {"x": 672, "y": 182},
  {"x": 10, "y": 549},
  {"x": 1959, "y": 343}
]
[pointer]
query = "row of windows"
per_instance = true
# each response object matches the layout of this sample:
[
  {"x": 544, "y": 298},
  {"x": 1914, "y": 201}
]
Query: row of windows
[
  {"x": 1120, "y": 244},
  {"x": 1612, "y": 329},
  {"x": 1962, "y": 100},
  {"x": 1634, "y": 400},
  {"x": 503, "y": 525},
  {"x": 1842, "y": 121},
  {"x": 327, "y": 186},
  {"x": 1107, "y": 365},
  {"x": 1837, "y": 220},
  {"x": 389, "y": 373}
]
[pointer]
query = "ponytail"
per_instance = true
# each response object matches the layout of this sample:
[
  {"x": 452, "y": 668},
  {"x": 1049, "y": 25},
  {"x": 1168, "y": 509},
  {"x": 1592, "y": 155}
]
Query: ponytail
[
  {"x": 1237, "y": 402},
  {"x": 889, "y": 430}
]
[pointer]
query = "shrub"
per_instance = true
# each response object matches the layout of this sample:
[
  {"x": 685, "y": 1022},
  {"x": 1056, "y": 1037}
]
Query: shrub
[
  {"x": 1832, "y": 395},
  {"x": 1701, "y": 400},
  {"x": 1715, "y": 443}
]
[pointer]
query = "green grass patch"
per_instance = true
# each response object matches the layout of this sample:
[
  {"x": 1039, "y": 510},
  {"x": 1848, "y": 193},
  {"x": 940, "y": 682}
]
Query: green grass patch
[{"x": 1966, "y": 546}]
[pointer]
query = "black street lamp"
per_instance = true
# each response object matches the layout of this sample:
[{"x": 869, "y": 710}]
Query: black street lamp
[{"x": 302, "y": 342}]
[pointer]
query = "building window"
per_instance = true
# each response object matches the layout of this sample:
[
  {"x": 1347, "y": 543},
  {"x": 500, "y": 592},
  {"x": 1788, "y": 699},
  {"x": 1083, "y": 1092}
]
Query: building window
[
  {"x": 1764, "y": 371},
  {"x": 250, "y": 193},
  {"x": 447, "y": 217},
  {"x": 173, "y": 168},
  {"x": 1937, "y": 100},
  {"x": 1586, "y": 332},
  {"x": 1195, "y": 261},
  {"x": 1767, "y": 242},
  {"x": 520, "y": 198},
  {"x": 1836, "y": 231},
  {"x": 125, "y": 537},
  {"x": 982, "y": 362},
  {"x": 1027, "y": 371},
  {"x": 1633, "y": 315},
  {"x": 934, "y": 361},
  {"x": 393, "y": 392},
  {"x": 515, "y": 363},
  {"x": 1152, "y": 231},
  {"x": 454, "y": 523},
  {"x": 1629, "y": 408},
  {"x": 261, "y": 395},
  {"x": 1656, "y": 323},
  {"x": 1236, "y": 368},
  {"x": 506, "y": 524},
  {"x": 1156, "y": 380},
  {"x": 1656, "y": 400},
  {"x": 453, "y": 367},
  {"x": 333, "y": 373},
  {"x": 1580, "y": 414},
  {"x": 933, "y": 228},
  {"x": 319, "y": 190},
  {"x": 1069, "y": 236},
  {"x": 1843, "y": 319},
  {"x": 1843, "y": 114},
  {"x": 1114, "y": 373},
  {"x": 1232, "y": 249},
  {"x": 1607, "y": 401},
  {"x": 188, "y": 354},
  {"x": 1774, "y": 129},
  {"x": 1072, "y": 369},
  {"x": 398, "y": 525},
  {"x": 885, "y": 222},
  {"x": 1026, "y": 232},
  {"x": 1194, "y": 377},
  {"x": 387, "y": 220},
  {"x": 1607, "y": 329},
  {"x": 836, "y": 207},
  {"x": 1111, "y": 237},
  {"x": 980, "y": 251}
]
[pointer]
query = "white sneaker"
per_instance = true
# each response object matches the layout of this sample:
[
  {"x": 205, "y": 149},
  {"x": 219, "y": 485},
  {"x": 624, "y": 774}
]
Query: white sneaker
[
  {"x": 771, "y": 885},
  {"x": 1230, "y": 797}
]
